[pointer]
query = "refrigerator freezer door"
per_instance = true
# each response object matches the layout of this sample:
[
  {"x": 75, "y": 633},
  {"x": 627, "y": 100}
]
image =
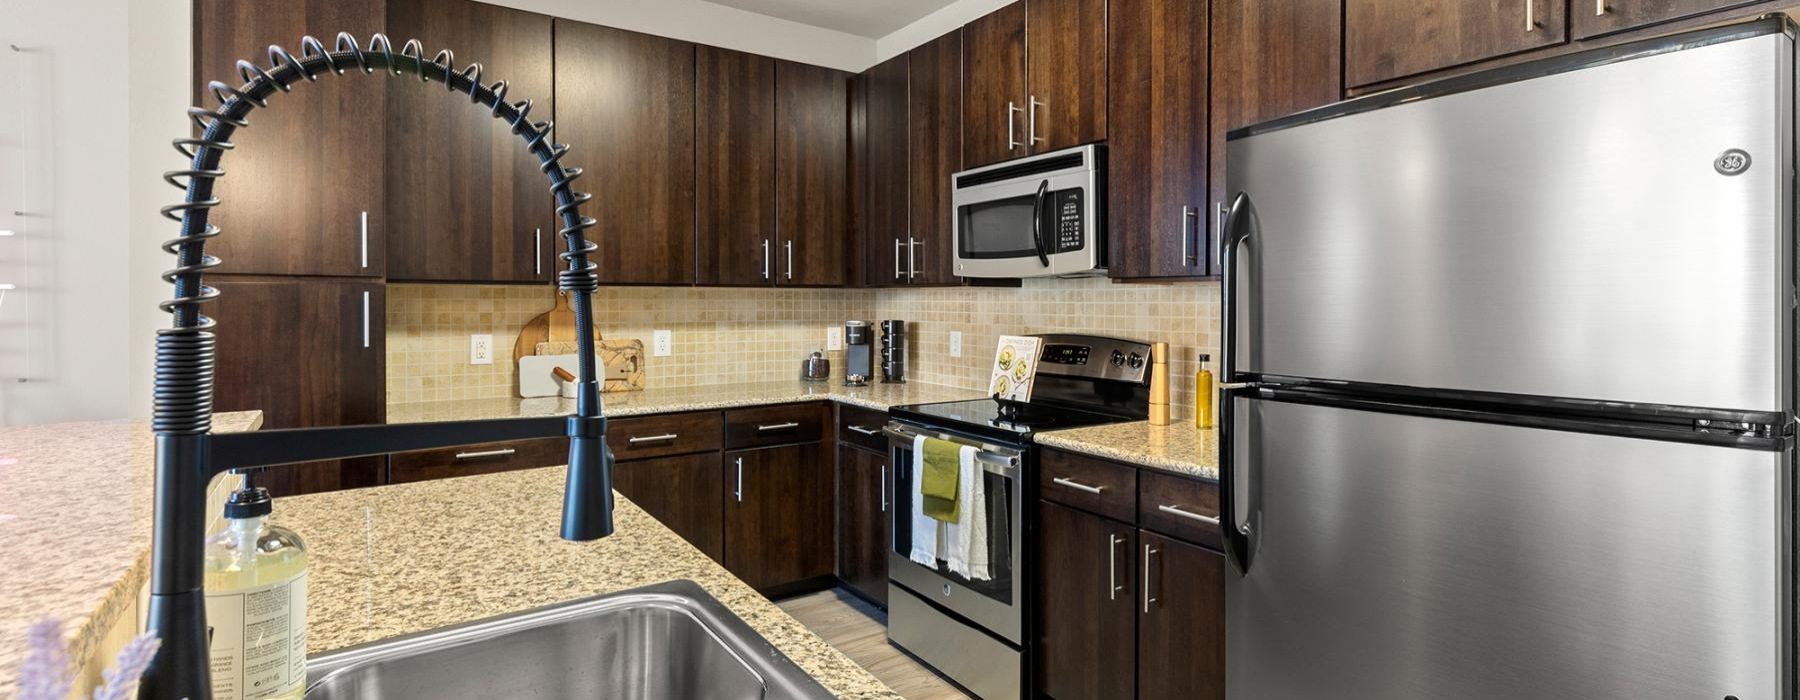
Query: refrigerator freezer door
[
  {"x": 1401, "y": 557},
  {"x": 1574, "y": 235}
]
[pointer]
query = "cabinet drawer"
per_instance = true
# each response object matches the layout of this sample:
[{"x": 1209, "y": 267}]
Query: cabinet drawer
[
  {"x": 862, "y": 427},
  {"x": 469, "y": 460},
  {"x": 1185, "y": 508},
  {"x": 660, "y": 436},
  {"x": 785, "y": 424},
  {"x": 1096, "y": 485}
]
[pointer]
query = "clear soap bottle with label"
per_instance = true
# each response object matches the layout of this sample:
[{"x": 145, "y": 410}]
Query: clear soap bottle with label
[{"x": 256, "y": 603}]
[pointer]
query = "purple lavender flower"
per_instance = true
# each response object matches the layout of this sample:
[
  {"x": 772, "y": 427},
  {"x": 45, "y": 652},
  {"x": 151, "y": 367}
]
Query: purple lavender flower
[
  {"x": 128, "y": 667},
  {"x": 46, "y": 674}
]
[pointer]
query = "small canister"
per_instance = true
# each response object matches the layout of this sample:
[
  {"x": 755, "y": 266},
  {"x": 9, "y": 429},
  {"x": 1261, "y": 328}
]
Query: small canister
[{"x": 816, "y": 368}]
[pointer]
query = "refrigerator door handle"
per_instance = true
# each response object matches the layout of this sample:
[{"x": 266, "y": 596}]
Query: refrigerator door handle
[{"x": 1240, "y": 223}]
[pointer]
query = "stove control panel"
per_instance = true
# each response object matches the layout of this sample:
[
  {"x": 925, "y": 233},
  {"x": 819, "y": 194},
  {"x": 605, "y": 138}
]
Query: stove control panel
[{"x": 1094, "y": 357}]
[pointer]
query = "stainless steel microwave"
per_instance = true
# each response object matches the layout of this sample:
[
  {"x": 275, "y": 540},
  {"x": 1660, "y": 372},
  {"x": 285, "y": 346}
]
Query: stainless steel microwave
[{"x": 1040, "y": 216}]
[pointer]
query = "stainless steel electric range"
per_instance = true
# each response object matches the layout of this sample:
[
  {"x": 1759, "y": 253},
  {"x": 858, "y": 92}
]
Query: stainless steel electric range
[{"x": 978, "y": 632}]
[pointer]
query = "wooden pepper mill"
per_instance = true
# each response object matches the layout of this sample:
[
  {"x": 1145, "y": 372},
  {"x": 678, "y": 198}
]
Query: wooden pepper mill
[{"x": 1159, "y": 383}]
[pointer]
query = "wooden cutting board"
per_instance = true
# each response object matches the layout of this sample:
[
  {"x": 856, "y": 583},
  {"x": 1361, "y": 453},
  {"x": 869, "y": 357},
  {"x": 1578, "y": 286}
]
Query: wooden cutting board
[{"x": 556, "y": 324}]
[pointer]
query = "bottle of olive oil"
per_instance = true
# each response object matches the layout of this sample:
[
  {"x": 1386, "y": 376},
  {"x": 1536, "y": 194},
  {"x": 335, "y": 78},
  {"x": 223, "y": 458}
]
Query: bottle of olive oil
[
  {"x": 1204, "y": 399},
  {"x": 256, "y": 603}
]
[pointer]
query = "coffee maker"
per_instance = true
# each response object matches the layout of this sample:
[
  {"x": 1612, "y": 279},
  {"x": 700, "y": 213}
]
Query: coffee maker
[
  {"x": 893, "y": 352},
  {"x": 858, "y": 353}
]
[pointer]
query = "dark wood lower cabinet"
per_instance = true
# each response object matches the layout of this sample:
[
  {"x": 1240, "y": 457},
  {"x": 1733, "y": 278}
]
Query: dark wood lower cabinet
[
  {"x": 1087, "y": 626},
  {"x": 683, "y": 492},
  {"x": 778, "y": 514},
  {"x": 863, "y": 527},
  {"x": 1181, "y": 631}
]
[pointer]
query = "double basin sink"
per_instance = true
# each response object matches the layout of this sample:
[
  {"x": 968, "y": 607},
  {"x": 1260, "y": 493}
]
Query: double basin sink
[{"x": 668, "y": 641}]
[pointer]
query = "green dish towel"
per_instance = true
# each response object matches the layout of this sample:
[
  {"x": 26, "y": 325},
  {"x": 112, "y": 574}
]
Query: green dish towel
[{"x": 938, "y": 482}]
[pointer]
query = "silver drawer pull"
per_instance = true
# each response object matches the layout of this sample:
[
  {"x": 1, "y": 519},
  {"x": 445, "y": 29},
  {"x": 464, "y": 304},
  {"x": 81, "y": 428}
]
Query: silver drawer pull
[
  {"x": 871, "y": 432},
  {"x": 486, "y": 453},
  {"x": 652, "y": 438},
  {"x": 777, "y": 426},
  {"x": 1177, "y": 511},
  {"x": 1078, "y": 486}
]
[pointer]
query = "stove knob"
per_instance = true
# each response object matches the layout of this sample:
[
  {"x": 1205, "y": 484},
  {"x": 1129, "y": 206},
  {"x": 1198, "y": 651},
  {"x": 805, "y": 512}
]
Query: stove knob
[
  {"x": 1136, "y": 361},
  {"x": 1118, "y": 359}
]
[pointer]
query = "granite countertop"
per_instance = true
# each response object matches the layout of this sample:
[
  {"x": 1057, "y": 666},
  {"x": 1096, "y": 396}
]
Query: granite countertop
[
  {"x": 677, "y": 399},
  {"x": 397, "y": 559},
  {"x": 75, "y": 520},
  {"x": 1179, "y": 447}
]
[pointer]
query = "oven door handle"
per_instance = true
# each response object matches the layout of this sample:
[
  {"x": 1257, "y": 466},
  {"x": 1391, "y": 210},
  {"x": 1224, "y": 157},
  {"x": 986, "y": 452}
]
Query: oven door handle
[{"x": 1037, "y": 223}]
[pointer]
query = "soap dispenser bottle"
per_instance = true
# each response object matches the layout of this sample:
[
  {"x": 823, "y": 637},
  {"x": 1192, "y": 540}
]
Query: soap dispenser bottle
[{"x": 256, "y": 603}]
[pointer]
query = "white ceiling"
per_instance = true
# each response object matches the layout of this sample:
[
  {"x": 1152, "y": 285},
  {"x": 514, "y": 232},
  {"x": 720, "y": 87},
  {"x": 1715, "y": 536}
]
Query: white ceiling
[{"x": 869, "y": 18}]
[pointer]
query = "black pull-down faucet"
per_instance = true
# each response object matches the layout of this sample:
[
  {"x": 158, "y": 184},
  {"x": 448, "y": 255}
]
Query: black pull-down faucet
[{"x": 188, "y": 456}]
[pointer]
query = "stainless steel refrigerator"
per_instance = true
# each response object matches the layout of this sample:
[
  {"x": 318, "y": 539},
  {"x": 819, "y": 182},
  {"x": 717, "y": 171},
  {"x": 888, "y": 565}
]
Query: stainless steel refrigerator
[{"x": 1517, "y": 355}]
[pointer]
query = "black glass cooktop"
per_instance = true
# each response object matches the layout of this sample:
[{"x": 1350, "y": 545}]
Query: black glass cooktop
[{"x": 1014, "y": 422}]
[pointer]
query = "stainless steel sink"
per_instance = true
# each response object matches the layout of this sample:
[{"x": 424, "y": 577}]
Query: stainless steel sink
[{"x": 668, "y": 641}]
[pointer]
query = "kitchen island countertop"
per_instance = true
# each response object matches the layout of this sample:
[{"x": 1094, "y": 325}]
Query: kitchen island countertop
[{"x": 622, "y": 404}]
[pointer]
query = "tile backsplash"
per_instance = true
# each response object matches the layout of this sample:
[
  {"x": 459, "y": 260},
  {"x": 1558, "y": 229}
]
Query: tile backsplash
[{"x": 724, "y": 336}]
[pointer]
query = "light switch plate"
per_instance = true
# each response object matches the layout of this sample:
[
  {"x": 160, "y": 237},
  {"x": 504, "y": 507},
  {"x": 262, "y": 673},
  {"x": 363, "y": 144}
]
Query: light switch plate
[
  {"x": 834, "y": 337},
  {"x": 663, "y": 343},
  {"x": 481, "y": 349},
  {"x": 956, "y": 343}
]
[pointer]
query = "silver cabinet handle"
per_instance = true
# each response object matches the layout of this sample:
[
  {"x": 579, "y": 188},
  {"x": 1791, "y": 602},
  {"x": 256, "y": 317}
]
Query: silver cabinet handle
[
  {"x": 365, "y": 319},
  {"x": 1112, "y": 566},
  {"x": 1012, "y": 141},
  {"x": 1032, "y": 120},
  {"x": 1178, "y": 512},
  {"x": 1218, "y": 229},
  {"x": 871, "y": 432},
  {"x": 1600, "y": 8},
  {"x": 652, "y": 438},
  {"x": 1189, "y": 235},
  {"x": 1149, "y": 551},
  {"x": 486, "y": 453},
  {"x": 537, "y": 250},
  {"x": 897, "y": 273},
  {"x": 365, "y": 240},
  {"x": 1530, "y": 16},
  {"x": 740, "y": 480},
  {"x": 790, "y": 255},
  {"x": 777, "y": 426},
  {"x": 884, "y": 497},
  {"x": 1078, "y": 486},
  {"x": 912, "y": 262},
  {"x": 765, "y": 258}
]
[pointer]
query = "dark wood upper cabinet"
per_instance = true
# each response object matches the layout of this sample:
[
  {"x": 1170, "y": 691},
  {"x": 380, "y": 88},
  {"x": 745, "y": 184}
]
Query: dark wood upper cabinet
[
  {"x": 466, "y": 202},
  {"x": 1157, "y": 206},
  {"x": 1087, "y": 629},
  {"x": 1270, "y": 58},
  {"x": 934, "y": 121},
  {"x": 863, "y": 526},
  {"x": 1386, "y": 40},
  {"x": 1591, "y": 18},
  {"x": 778, "y": 514},
  {"x": 625, "y": 105},
  {"x": 1181, "y": 630},
  {"x": 736, "y": 113},
  {"x": 993, "y": 67},
  {"x": 303, "y": 190},
  {"x": 307, "y": 352},
  {"x": 887, "y": 135},
  {"x": 1066, "y": 57},
  {"x": 812, "y": 168}
]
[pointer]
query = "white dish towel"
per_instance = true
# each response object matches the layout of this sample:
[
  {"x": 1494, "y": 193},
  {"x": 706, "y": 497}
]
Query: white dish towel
[
  {"x": 925, "y": 534},
  {"x": 963, "y": 545}
]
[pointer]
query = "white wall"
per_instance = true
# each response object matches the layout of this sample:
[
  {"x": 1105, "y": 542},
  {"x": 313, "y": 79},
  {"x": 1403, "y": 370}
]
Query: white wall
[
  {"x": 717, "y": 25},
  {"x": 932, "y": 26}
]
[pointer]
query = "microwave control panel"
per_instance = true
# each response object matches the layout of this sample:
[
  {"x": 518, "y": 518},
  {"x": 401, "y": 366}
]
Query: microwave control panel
[{"x": 1067, "y": 215}]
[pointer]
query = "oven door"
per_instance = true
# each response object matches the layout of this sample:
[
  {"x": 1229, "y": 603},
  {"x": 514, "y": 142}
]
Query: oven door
[{"x": 995, "y": 604}]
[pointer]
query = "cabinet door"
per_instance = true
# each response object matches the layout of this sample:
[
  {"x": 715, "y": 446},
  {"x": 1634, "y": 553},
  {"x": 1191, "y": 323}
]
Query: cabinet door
[
  {"x": 1157, "y": 209},
  {"x": 863, "y": 528},
  {"x": 686, "y": 493},
  {"x": 1181, "y": 629},
  {"x": 1593, "y": 18},
  {"x": 1066, "y": 72},
  {"x": 1386, "y": 40},
  {"x": 303, "y": 190},
  {"x": 627, "y": 112},
  {"x": 307, "y": 353},
  {"x": 934, "y": 120},
  {"x": 737, "y": 167},
  {"x": 885, "y": 232},
  {"x": 994, "y": 96},
  {"x": 1270, "y": 58},
  {"x": 1087, "y": 621},
  {"x": 812, "y": 169},
  {"x": 466, "y": 202},
  {"x": 778, "y": 514}
]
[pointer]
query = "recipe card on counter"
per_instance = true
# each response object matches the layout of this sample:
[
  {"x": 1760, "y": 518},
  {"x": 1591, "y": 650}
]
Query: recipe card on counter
[{"x": 1015, "y": 367}]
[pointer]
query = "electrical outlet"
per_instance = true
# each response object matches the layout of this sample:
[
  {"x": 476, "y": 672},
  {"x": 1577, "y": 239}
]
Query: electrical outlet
[
  {"x": 662, "y": 344},
  {"x": 834, "y": 337},
  {"x": 481, "y": 349},
  {"x": 956, "y": 343}
]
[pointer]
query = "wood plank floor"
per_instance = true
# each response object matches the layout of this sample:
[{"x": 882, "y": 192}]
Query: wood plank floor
[{"x": 860, "y": 631}]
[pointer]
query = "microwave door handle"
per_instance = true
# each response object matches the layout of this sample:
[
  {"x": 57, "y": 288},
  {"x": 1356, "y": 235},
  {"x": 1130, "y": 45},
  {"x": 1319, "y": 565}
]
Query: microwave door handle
[{"x": 1037, "y": 223}]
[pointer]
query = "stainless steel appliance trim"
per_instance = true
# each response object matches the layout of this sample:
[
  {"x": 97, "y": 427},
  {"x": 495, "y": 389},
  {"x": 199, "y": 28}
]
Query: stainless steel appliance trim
[
  {"x": 365, "y": 240},
  {"x": 989, "y": 668},
  {"x": 1078, "y": 486},
  {"x": 777, "y": 426},
  {"x": 486, "y": 453},
  {"x": 652, "y": 438},
  {"x": 1086, "y": 177},
  {"x": 1178, "y": 512},
  {"x": 739, "y": 490},
  {"x": 996, "y": 459}
]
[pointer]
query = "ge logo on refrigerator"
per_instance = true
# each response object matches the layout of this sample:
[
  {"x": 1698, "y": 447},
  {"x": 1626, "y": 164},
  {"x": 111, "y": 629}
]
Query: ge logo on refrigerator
[{"x": 1732, "y": 162}]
